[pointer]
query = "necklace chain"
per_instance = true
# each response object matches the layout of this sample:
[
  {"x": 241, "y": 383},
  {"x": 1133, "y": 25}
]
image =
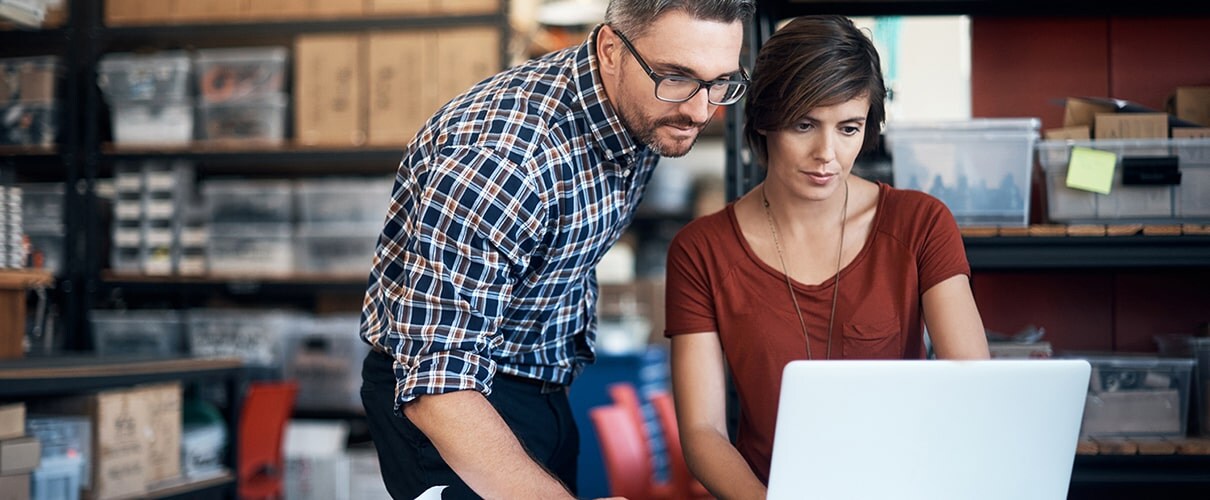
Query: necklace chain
[{"x": 786, "y": 273}]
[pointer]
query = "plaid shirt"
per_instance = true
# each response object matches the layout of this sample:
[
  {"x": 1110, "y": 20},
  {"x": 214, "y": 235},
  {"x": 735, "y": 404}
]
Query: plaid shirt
[{"x": 502, "y": 207}]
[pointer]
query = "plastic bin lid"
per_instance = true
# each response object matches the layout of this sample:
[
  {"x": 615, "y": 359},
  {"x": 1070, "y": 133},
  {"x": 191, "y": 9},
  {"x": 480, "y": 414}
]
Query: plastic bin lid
[
  {"x": 239, "y": 54},
  {"x": 121, "y": 59},
  {"x": 973, "y": 125},
  {"x": 1132, "y": 360}
]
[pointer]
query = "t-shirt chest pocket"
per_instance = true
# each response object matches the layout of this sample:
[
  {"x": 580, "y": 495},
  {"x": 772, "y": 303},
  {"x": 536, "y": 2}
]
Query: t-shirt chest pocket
[{"x": 876, "y": 338}]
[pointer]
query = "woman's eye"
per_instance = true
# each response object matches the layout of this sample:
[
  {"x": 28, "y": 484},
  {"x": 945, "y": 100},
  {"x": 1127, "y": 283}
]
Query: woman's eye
[
  {"x": 803, "y": 127},
  {"x": 851, "y": 130}
]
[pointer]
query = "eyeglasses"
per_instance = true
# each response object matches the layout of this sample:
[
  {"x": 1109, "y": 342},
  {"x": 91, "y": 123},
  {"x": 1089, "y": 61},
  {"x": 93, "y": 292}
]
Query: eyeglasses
[{"x": 720, "y": 92}]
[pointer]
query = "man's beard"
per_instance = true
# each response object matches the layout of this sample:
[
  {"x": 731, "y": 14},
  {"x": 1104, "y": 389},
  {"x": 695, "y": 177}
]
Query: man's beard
[{"x": 643, "y": 128}]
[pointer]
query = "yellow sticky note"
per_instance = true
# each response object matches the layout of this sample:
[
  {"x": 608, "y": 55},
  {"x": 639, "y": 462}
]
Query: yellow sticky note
[{"x": 1091, "y": 170}]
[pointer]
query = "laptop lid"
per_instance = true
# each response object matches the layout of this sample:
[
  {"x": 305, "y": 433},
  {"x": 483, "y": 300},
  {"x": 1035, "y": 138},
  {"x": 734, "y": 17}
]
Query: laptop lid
[{"x": 937, "y": 430}]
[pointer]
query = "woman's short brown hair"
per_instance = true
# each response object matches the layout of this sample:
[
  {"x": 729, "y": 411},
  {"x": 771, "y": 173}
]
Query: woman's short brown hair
[{"x": 813, "y": 61}]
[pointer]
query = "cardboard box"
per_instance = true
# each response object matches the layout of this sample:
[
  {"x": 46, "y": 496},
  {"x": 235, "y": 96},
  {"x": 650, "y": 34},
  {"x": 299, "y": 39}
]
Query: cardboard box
[
  {"x": 162, "y": 429},
  {"x": 56, "y": 14},
  {"x": 118, "y": 468},
  {"x": 329, "y": 98},
  {"x": 1193, "y": 104},
  {"x": 12, "y": 420},
  {"x": 468, "y": 6},
  {"x": 328, "y": 9},
  {"x": 123, "y": 12},
  {"x": 1082, "y": 112},
  {"x": 209, "y": 11},
  {"x": 466, "y": 56},
  {"x": 275, "y": 9},
  {"x": 19, "y": 455},
  {"x": 159, "y": 11},
  {"x": 15, "y": 487},
  {"x": 1077, "y": 133},
  {"x": 402, "y": 92},
  {"x": 1131, "y": 126},
  {"x": 1190, "y": 133},
  {"x": 396, "y": 7}
]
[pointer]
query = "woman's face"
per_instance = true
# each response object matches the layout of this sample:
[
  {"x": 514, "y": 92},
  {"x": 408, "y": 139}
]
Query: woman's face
[{"x": 814, "y": 156}]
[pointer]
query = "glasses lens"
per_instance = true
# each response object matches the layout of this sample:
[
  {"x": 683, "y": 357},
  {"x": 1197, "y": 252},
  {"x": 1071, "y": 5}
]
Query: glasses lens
[
  {"x": 727, "y": 93},
  {"x": 676, "y": 89}
]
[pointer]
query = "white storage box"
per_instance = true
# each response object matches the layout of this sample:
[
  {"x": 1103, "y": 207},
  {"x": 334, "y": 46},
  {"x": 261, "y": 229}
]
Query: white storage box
[
  {"x": 239, "y": 73},
  {"x": 1154, "y": 180},
  {"x": 257, "y": 120},
  {"x": 979, "y": 168},
  {"x": 144, "y": 77},
  {"x": 147, "y": 332},
  {"x": 339, "y": 202},
  {"x": 163, "y": 122}
]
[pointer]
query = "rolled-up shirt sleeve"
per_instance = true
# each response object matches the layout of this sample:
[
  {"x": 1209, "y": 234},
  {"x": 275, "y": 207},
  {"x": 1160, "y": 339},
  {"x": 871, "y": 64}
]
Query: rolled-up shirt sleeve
[{"x": 446, "y": 263}]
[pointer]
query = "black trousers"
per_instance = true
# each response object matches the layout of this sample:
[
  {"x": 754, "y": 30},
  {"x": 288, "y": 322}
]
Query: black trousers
[{"x": 539, "y": 414}]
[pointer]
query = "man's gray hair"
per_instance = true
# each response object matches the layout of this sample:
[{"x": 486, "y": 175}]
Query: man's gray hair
[{"x": 634, "y": 17}]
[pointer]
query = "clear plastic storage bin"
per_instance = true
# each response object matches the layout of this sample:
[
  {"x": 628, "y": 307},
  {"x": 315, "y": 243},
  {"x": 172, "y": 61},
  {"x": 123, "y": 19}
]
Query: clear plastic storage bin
[
  {"x": 239, "y": 202},
  {"x": 165, "y": 122},
  {"x": 340, "y": 202},
  {"x": 979, "y": 168},
  {"x": 239, "y": 73},
  {"x": 249, "y": 254},
  {"x": 345, "y": 251},
  {"x": 42, "y": 206},
  {"x": 1154, "y": 180},
  {"x": 144, "y": 77},
  {"x": 29, "y": 123},
  {"x": 324, "y": 355},
  {"x": 261, "y": 119},
  {"x": 147, "y": 332},
  {"x": 1139, "y": 396},
  {"x": 256, "y": 337},
  {"x": 28, "y": 79}
]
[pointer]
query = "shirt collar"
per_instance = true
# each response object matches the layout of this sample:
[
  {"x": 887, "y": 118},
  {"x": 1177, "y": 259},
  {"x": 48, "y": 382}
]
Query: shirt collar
[{"x": 603, "y": 120}]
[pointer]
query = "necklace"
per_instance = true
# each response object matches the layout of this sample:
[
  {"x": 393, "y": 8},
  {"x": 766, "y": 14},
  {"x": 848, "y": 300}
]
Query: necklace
[{"x": 789, "y": 286}]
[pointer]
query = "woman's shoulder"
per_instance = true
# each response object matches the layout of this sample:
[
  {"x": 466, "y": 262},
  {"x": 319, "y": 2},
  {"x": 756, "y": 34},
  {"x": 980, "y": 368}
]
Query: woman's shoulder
[
  {"x": 911, "y": 214},
  {"x": 910, "y": 199},
  {"x": 707, "y": 228}
]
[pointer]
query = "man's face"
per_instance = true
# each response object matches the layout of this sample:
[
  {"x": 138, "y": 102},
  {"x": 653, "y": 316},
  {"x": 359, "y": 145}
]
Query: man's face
[{"x": 675, "y": 45}]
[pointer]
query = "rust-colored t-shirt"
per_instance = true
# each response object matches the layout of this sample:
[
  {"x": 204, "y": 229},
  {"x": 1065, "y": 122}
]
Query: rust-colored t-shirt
[{"x": 717, "y": 284}]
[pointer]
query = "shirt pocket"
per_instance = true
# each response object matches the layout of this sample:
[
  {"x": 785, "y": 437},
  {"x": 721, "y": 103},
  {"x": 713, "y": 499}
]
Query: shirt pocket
[{"x": 875, "y": 339}]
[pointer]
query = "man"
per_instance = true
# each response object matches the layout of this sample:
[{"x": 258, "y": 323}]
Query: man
[{"x": 481, "y": 300}]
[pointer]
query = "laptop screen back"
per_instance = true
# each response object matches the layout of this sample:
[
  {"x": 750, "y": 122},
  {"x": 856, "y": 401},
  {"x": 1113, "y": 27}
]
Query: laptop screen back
[{"x": 997, "y": 429}]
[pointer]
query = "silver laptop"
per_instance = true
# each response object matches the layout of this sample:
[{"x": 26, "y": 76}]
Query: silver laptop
[{"x": 937, "y": 430}]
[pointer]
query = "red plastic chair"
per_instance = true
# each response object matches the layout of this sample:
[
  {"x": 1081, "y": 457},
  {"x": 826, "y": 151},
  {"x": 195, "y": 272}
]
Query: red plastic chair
[
  {"x": 627, "y": 466},
  {"x": 626, "y": 397},
  {"x": 262, "y": 427},
  {"x": 684, "y": 485}
]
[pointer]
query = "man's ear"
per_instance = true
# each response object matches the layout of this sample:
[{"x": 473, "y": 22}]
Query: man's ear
[{"x": 609, "y": 50}]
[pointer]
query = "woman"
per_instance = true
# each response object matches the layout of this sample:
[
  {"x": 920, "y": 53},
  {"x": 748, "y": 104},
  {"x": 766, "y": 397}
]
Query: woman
[{"x": 813, "y": 252}]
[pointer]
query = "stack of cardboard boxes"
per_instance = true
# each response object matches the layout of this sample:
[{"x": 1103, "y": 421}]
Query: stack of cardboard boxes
[
  {"x": 379, "y": 88},
  {"x": 136, "y": 12},
  {"x": 19, "y": 453},
  {"x": 135, "y": 438},
  {"x": 1094, "y": 118}
]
